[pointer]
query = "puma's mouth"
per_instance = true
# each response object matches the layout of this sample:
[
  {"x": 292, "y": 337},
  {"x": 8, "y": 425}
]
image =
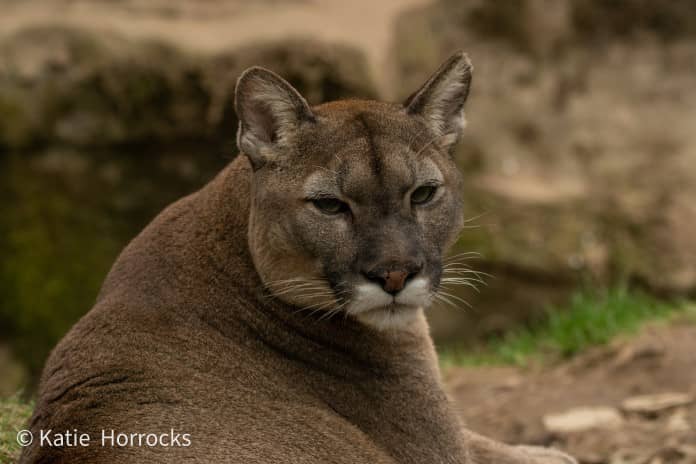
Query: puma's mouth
[{"x": 373, "y": 306}]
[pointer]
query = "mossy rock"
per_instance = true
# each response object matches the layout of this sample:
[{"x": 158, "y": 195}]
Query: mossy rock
[
  {"x": 572, "y": 176},
  {"x": 81, "y": 88}
]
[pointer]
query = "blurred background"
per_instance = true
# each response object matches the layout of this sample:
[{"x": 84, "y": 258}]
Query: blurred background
[{"x": 579, "y": 158}]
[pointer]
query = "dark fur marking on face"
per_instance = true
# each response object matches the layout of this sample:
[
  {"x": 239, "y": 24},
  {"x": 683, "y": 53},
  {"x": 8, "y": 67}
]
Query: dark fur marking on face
[
  {"x": 376, "y": 161},
  {"x": 342, "y": 172}
]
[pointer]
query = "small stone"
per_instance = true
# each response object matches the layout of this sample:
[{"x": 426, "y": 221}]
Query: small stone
[
  {"x": 581, "y": 419},
  {"x": 631, "y": 353},
  {"x": 624, "y": 456},
  {"x": 677, "y": 422},
  {"x": 667, "y": 454},
  {"x": 688, "y": 450},
  {"x": 651, "y": 404},
  {"x": 511, "y": 383}
]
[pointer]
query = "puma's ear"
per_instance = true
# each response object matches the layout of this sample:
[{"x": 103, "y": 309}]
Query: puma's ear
[
  {"x": 270, "y": 111},
  {"x": 440, "y": 101}
]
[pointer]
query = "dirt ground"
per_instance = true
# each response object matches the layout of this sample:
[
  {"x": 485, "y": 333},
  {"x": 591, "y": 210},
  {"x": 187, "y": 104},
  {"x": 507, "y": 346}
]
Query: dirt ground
[{"x": 632, "y": 402}]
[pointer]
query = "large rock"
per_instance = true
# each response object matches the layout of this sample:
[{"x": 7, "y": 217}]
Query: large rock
[
  {"x": 580, "y": 155},
  {"x": 72, "y": 86}
]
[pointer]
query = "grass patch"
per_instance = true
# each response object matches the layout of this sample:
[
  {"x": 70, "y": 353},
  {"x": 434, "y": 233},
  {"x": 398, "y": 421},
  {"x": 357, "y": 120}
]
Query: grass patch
[
  {"x": 14, "y": 414},
  {"x": 590, "y": 319}
]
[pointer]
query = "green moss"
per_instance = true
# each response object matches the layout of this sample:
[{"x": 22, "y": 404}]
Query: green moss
[
  {"x": 590, "y": 319},
  {"x": 53, "y": 260},
  {"x": 14, "y": 413},
  {"x": 17, "y": 124}
]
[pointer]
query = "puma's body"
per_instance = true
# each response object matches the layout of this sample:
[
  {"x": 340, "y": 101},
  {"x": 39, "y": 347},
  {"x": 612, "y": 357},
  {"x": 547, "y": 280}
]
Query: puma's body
[
  {"x": 183, "y": 337},
  {"x": 190, "y": 334}
]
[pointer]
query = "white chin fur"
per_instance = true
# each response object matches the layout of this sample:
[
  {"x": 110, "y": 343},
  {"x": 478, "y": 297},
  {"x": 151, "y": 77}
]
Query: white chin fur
[
  {"x": 374, "y": 307},
  {"x": 399, "y": 318}
]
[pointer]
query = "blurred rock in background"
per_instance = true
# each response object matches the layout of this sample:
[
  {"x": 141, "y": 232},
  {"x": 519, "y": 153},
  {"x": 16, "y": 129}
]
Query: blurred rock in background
[
  {"x": 580, "y": 156},
  {"x": 579, "y": 160},
  {"x": 76, "y": 87}
]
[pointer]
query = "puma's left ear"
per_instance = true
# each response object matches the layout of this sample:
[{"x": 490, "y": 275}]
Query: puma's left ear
[{"x": 440, "y": 101}]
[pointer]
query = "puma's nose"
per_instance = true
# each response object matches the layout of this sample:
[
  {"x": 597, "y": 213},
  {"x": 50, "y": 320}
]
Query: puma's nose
[{"x": 392, "y": 279}]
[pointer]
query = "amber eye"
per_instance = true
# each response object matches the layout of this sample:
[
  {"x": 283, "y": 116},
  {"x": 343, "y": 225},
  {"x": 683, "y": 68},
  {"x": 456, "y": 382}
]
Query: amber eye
[
  {"x": 330, "y": 205},
  {"x": 423, "y": 194}
]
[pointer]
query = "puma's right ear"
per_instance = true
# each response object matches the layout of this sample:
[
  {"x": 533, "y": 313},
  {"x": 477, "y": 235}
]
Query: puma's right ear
[
  {"x": 270, "y": 111},
  {"x": 440, "y": 101}
]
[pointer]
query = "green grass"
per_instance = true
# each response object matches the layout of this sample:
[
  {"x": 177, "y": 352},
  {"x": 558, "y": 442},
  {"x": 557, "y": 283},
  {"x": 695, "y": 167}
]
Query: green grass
[
  {"x": 590, "y": 319},
  {"x": 14, "y": 414}
]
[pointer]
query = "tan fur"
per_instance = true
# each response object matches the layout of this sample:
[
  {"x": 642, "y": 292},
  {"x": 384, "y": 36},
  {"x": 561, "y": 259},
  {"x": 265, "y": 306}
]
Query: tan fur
[{"x": 190, "y": 332}]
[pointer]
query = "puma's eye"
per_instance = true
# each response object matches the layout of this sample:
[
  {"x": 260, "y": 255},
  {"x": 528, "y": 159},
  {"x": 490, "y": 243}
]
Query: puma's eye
[
  {"x": 330, "y": 205},
  {"x": 423, "y": 194}
]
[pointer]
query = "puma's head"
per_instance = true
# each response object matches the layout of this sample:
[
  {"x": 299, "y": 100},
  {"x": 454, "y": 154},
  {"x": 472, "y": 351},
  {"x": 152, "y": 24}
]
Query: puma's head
[{"x": 353, "y": 203}]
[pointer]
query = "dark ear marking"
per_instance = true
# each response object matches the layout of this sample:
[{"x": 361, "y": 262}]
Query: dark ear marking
[
  {"x": 440, "y": 101},
  {"x": 270, "y": 111}
]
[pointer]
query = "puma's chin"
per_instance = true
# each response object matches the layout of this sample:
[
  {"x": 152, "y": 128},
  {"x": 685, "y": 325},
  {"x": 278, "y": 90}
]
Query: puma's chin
[{"x": 393, "y": 317}]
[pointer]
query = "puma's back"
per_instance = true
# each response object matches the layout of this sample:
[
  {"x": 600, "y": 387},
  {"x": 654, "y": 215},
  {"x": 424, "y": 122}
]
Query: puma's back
[{"x": 276, "y": 315}]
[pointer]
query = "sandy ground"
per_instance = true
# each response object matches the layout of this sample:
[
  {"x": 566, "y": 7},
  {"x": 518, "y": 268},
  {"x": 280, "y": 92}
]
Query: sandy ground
[
  {"x": 631, "y": 403},
  {"x": 214, "y": 25}
]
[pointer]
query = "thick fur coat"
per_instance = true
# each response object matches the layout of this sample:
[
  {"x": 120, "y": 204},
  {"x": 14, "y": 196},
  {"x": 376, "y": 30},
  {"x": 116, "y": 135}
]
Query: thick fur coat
[{"x": 186, "y": 338}]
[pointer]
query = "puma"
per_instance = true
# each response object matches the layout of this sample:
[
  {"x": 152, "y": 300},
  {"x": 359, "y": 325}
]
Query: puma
[{"x": 277, "y": 315}]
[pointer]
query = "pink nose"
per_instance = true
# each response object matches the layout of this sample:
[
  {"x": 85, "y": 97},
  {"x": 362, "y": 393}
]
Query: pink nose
[
  {"x": 394, "y": 281},
  {"x": 393, "y": 278}
]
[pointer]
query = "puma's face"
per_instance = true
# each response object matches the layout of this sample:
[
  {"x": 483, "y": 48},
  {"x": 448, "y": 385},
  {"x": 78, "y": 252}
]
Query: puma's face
[{"x": 354, "y": 203}]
